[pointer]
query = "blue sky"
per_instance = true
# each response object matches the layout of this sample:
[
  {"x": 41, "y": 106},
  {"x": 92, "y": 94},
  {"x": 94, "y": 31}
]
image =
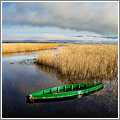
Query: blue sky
[{"x": 59, "y": 20}]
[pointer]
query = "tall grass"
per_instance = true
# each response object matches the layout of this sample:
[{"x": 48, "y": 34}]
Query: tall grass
[
  {"x": 47, "y": 58},
  {"x": 28, "y": 47},
  {"x": 83, "y": 61},
  {"x": 25, "y": 47}
]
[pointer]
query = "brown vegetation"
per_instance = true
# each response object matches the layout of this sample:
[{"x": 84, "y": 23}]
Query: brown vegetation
[
  {"x": 83, "y": 61},
  {"x": 28, "y": 47},
  {"x": 25, "y": 47}
]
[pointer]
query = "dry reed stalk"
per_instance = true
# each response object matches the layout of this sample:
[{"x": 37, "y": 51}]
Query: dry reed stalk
[
  {"x": 83, "y": 61},
  {"x": 46, "y": 58},
  {"x": 27, "y": 47}
]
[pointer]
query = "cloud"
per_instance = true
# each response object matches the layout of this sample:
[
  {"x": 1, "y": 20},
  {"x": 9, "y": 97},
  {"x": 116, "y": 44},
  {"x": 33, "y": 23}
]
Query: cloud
[
  {"x": 47, "y": 37},
  {"x": 11, "y": 37},
  {"x": 36, "y": 37},
  {"x": 79, "y": 16}
]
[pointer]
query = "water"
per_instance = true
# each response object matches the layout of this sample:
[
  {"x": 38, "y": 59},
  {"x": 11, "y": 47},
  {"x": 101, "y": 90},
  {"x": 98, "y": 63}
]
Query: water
[{"x": 20, "y": 79}]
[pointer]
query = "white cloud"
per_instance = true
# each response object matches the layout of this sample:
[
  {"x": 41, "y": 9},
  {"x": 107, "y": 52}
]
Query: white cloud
[
  {"x": 77, "y": 16},
  {"x": 12, "y": 37},
  {"x": 47, "y": 37}
]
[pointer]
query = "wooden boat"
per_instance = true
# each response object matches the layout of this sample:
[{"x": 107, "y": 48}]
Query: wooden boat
[{"x": 65, "y": 91}]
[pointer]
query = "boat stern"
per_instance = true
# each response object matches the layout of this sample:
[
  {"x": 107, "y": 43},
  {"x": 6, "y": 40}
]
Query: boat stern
[{"x": 30, "y": 98}]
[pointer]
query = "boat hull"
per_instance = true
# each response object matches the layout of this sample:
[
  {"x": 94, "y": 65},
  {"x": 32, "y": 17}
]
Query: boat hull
[{"x": 65, "y": 91}]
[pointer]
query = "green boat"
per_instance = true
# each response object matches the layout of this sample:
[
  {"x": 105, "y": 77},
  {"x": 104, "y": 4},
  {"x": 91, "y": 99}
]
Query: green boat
[{"x": 65, "y": 91}]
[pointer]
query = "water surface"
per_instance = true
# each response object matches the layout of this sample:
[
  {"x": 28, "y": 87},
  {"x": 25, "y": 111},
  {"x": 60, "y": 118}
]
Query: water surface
[{"x": 20, "y": 79}]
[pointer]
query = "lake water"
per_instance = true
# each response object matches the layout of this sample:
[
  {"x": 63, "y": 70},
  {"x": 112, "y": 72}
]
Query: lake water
[{"x": 24, "y": 77}]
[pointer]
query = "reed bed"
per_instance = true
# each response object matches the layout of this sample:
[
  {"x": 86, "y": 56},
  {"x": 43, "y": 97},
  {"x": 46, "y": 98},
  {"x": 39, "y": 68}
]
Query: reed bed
[
  {"x": 83, "y": 61},
  {"x": 25, "y": 47},
  {"x": 28, "y": 47}
]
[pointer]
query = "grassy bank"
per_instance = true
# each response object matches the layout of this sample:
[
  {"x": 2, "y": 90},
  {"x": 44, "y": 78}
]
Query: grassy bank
[
  {"x": 83, "y": 61},
  {"x": 28, "y": 47}
]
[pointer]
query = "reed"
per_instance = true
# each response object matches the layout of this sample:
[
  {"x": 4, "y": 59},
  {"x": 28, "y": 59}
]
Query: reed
[
  {"x": 46, "y": 58},
  {"x": 28, "y": 47},
  {"x": 25, "y": 47},
  {"x": 83, "y": 61}
]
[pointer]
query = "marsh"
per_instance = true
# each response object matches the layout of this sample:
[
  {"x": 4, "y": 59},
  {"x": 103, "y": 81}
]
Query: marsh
[{"x": 19, "y": 80}]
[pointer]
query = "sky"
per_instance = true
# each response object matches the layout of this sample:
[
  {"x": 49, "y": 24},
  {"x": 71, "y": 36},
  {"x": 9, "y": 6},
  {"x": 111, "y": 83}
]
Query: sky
[{"x": 97, "y": 21}]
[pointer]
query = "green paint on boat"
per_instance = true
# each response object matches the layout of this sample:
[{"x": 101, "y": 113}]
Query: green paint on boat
[{"x": 65, "y": 91}]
